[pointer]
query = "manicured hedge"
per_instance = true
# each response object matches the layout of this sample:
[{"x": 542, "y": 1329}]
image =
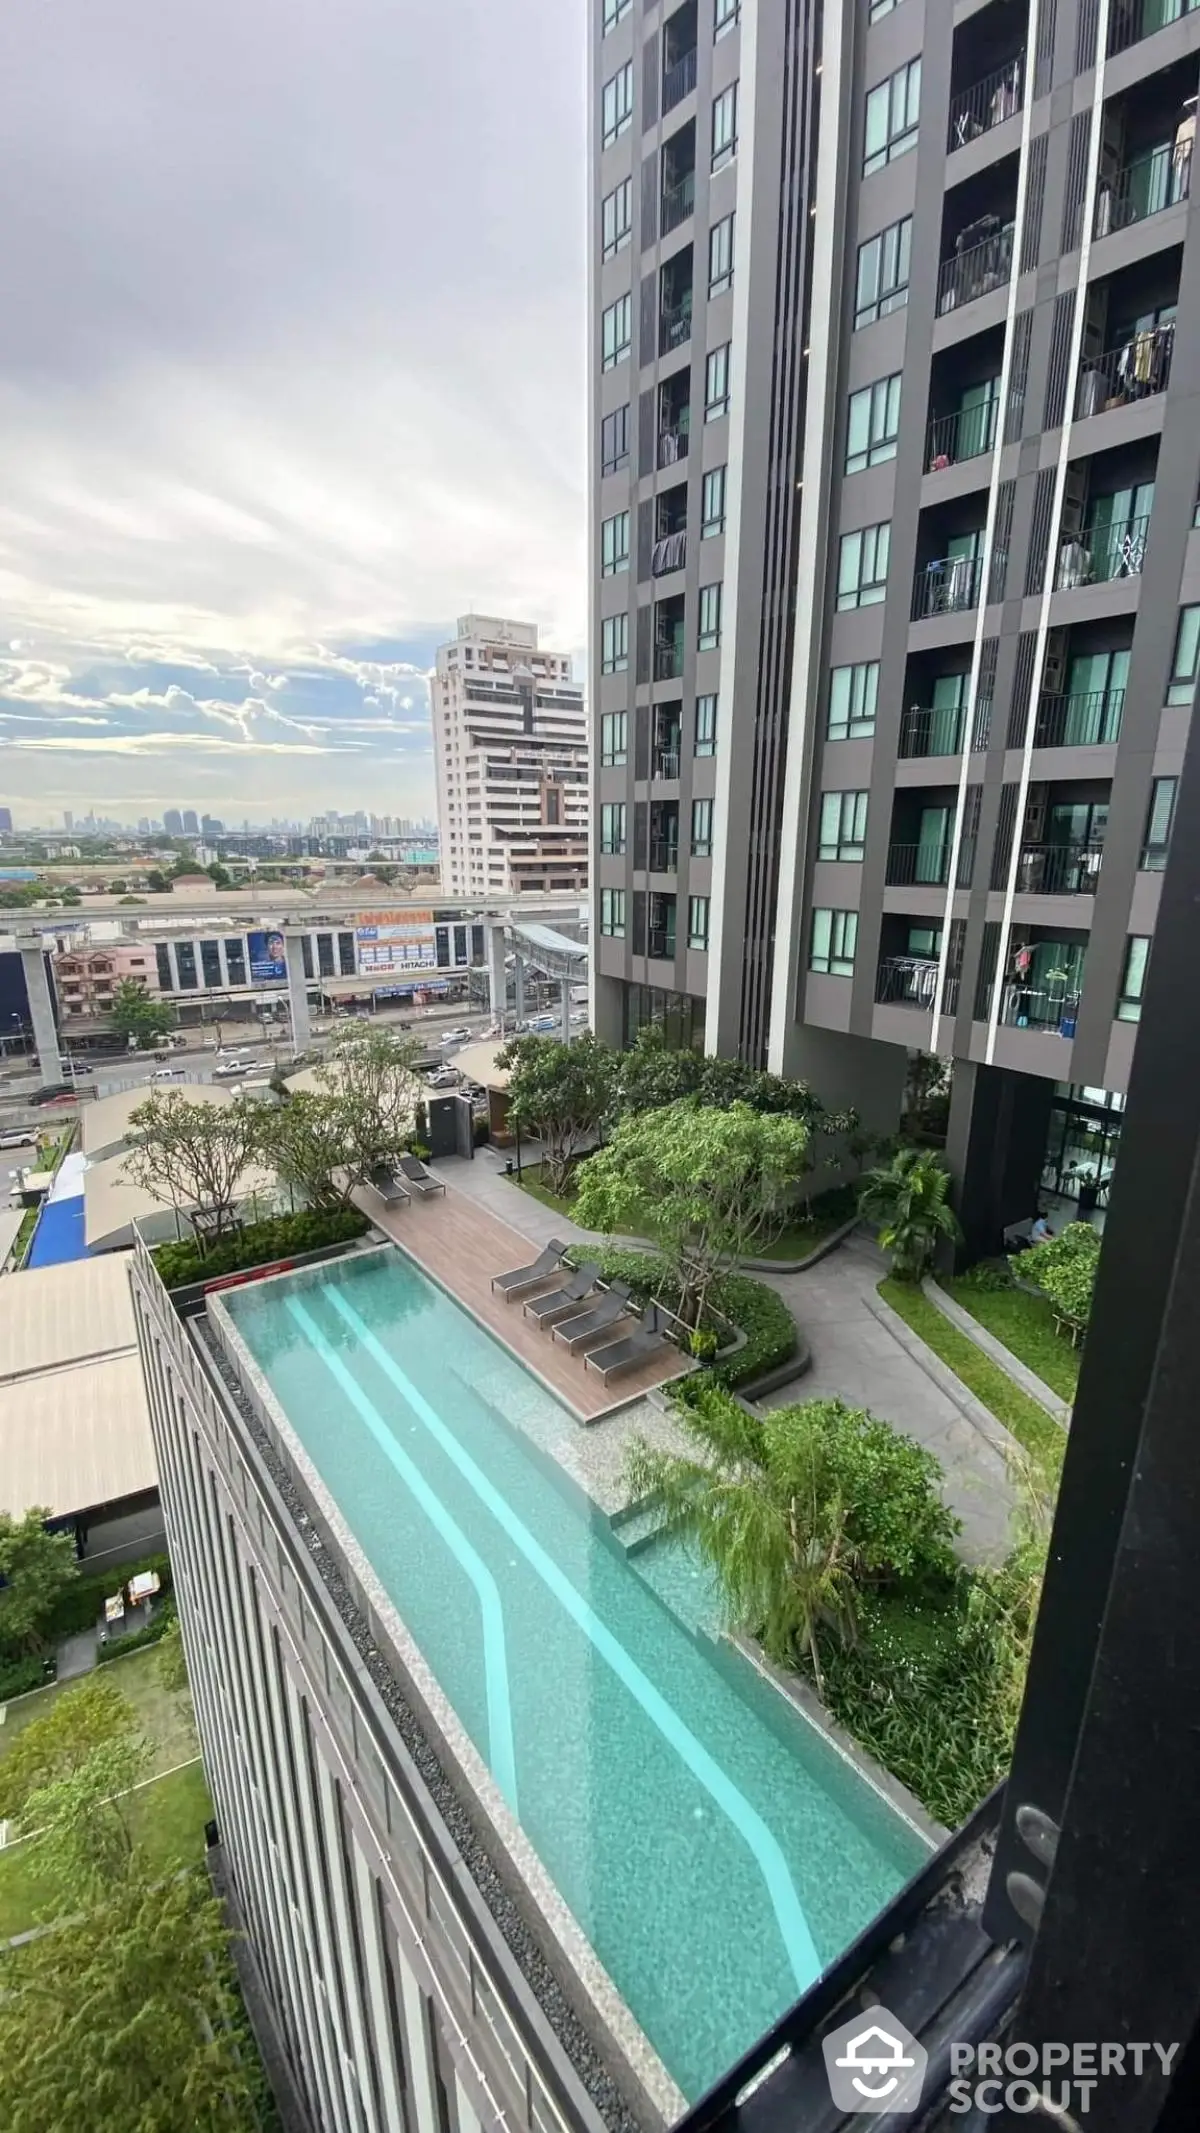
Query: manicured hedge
[
  {"x": 116, "y": 1647},
  {"x": 81, "y": 1603},
  {"x": 283, "y": 1237},
  {"x": 762, "y": 1315}
]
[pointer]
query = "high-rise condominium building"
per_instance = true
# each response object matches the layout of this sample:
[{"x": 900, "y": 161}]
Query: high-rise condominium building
[
  {"x": 173, "y": 822},
  {"x": 6, "y": 822},
  {"x": 895, "y": 588},
  {"x": 191, "y": 824},
  {"x": 511, "y": 760}
]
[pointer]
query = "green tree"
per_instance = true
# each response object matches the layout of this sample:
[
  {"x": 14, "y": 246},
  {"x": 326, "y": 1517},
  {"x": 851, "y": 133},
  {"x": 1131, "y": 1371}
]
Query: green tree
[
  {"x": 135, "y": 1014},
  {"x": 1064, "y": 1269},
  {"x": 798, "y": 1513},
  {"x": 559, "y": 1093},
  {"x": 35, "y": 1565},
  {"x": 908, "y": 1200},
  {"x": 158, "y": 881},
  {"x": 219, "y": 875},
  {"x": 76, "y": 1724},
  {"x": 709, "y": 1185},
  {"x": 195, "y": 1155},
  {"x": 372, "y": 1075},
  {"x": 306, "y": 1139}
]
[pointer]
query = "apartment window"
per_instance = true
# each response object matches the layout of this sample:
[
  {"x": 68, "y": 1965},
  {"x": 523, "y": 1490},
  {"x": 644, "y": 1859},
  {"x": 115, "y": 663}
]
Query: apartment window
[
  {"x": 706, "y": 725},
  {"x": 720, "y": 256},
  {"x": 1133, "y": 980},
  {"x": 185, "y": 958},
  {"x": 834, "y": 939},
  {"x": 612, "y": 828},
  {"x": 614, "y": 544},
  {"x": 1159, "y": 818},
  {"x": 614, "y": 440},
  {"x": 874, "y": 424},
  {"x": 1182, "y": 686},
  {"x": 210, "y": 962},
  {"x": 616, "y": 334},
  {"x": 612, "y": 913},
  {"x": 616, "y": 218},
  {"x": 614, "y": 738},
  {"x": 893, "y": 110},
  {"x": 724, "y": 126},
  {"x": 613, "y": 11},
  {"x": 852, "y": 695},
  {"x": 709, "y": 634},
  {"x": 883, "y": 270},
  {"x": 726, "y": 14},
  {"x": 716, "y": 383},
  {"x": 697, "y": 922},
  {"x": 863, "y": 566},
  {"x": 712, "y": 503},
  {"x": 614, "y": 644},
  {"x": 843, "y": 825},
  {"x": 702, "y": 829},
  {"x": 616, "y": 104}
]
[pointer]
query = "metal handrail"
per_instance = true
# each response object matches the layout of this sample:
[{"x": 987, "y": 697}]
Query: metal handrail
[
  {"x": 678, "y": 201},
  {"x": 664, "y": 856},
  {"x": 1086, "y": 720},
  {"x": 927, "y": 866},
  {"x": 986, "y": 103},
  {"x": 1127, "y": 22},
  {"x": 668, "y": 661},
  {"x": 1101, "y": 553},
  {"x": 1143, "y": 188},
  {"x": 981, "y": 268},
  {"x": 1058, "y": 869},
  {"x": 966, "y": 434},
  {"x": 679, "y": 80},
  {"x": 673, "y": 443},
  {"x": 664, "y": 763},
  {"x": 947, "y": 585},
  {"x": 1137, "y": 370},
  {"x": 675, "y": 324}
]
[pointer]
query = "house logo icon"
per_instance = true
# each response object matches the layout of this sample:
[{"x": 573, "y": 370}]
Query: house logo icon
[{"x": 874, "y": 2064}]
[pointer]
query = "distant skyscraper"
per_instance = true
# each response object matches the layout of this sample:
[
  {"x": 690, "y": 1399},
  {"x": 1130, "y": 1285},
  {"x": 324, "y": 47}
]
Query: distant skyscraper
[
  {"x": 210, "y": 826},
  {"x": 5, "y": 822},
  {"x": 191, "y": 826},
  {"x": 173, "y": 822},
  {"x": 68, "y": 819}
]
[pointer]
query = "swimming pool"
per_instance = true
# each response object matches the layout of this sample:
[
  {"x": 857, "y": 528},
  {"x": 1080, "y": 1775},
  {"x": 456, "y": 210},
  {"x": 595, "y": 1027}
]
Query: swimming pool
[{"x": 716, "y": 1852}]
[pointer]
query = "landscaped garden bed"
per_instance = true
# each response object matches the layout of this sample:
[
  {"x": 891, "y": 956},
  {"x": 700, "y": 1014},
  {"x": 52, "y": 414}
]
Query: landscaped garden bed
[
  {"x": 1042, "y": 1437},
  {"x": 283, "y": 1237},
  {"x": 1024, "y": 1322},
  {"x": 751, "y": 1306}
]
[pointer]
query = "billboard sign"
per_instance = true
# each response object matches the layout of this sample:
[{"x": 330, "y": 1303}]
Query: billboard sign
[
  {"x": 395, "y": 940},
  {"x": 268, "y": 956}
]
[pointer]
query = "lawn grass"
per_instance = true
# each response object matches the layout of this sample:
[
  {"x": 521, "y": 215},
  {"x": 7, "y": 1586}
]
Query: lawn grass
[
  {"x": 167, "y": 1818},
  {"x": 164, "y": 1716},
  {"x": 530, "y": 1181},
  {"x": 1025, "y": 1323},
  {"x": 830, "y": 1212},
  {"x": 1042, "y": 1437}
]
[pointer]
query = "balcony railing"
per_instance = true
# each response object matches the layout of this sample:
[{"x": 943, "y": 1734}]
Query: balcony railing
[
  {"x": 664, "y": 762},
  {"x": 661, "y": 944},
  {"x": 1131, "y": 20},
  {"x": 664, "y": 855},
  {"x": 911, "y": 981},
  {"x": 937, "y": 729},
  {"x": 927, "y": 866},
  {"x": 675, "y": 324},
  {"x": 668, "y": 660},
  {"x": 673, "y": 441},
  {"x": 1144, "y": 188},
  {"x": 976, "y": 269},
  {"x": 678, "y": 202},
  {"x": 986, "y": 104},
  {"x": 1082, "y": 721},
  {"x": 1058, "y": 869},
  {"x": 965, "y": 435},
  {"x": 670, "y": 553},
  {"x": 947, "y": 586},
  {"x": 1047, "y": 1007},
  {"x": 1100, "y": 553},
  {"x": 1135, "y": 371},
  {"x": 679, "y": 80}
]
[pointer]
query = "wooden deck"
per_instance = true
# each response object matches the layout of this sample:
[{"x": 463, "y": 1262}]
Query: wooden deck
[{"x": 462, "y": 1245}]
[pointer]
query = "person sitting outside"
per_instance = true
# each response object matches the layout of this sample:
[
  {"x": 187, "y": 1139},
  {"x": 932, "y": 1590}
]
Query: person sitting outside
[{"x": 1041, "y": 1231}]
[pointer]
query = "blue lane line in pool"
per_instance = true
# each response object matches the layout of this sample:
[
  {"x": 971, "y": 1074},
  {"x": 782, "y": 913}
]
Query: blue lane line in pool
[
  {"x": 764, "y": 1845},
  {"x": 502, "y": 1755}
]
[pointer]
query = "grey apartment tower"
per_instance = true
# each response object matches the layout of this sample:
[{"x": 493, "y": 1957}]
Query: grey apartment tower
[{"x": 895, "y": 355}]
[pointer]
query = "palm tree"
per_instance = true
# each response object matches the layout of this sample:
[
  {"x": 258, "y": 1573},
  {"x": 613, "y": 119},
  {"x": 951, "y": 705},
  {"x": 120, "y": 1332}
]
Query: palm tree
[{"x": 908, "y": 1199}]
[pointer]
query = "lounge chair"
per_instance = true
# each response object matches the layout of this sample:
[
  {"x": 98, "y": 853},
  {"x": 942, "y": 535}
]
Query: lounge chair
[
  {"x": 633, "y": 1348},
  {"x": 388, "y": 1188},
  {"x": 559, "y": 1303},
  {"x": 583, "y": 1326},
  {"x": 540, "y": 1269},
  {"x": 416, "y": 1175}
]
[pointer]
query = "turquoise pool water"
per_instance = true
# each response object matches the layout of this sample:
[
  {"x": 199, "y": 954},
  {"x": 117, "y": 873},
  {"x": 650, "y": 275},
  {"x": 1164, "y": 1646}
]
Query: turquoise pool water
[{"x": 716, "y": 1852}]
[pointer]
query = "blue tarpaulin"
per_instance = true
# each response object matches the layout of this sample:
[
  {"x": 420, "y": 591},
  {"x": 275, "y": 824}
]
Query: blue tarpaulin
[{"x": 59, "y": 1235}]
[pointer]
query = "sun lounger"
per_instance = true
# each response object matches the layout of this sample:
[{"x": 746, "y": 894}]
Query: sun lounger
[
  {"x": 415, "y": 1174},
  {"x": 389, "y": 1189},
  {"x": 633, "y": 1348},
  {"x": 559, "y": 1303},
  {"x": 540, "y": 1269},
  {"x": 584, "y": 1326}
]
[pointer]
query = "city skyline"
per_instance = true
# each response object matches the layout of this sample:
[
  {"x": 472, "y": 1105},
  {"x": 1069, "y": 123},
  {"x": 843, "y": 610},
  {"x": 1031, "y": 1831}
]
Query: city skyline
[{"x": 257, "y": 455}]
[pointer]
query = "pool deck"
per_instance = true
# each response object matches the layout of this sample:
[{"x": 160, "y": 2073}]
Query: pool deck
[{"x": 462, "y": 1245}]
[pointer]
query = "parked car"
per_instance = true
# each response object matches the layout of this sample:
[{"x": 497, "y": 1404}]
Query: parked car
[
  {"x": 20, "y": 1137},
  {"x": 444, "y": 1078},
  {"x": 454, "y": 1036},
  {"x": 169, "y": 1073}
]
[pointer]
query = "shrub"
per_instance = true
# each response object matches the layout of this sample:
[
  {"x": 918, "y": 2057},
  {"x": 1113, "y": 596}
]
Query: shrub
[
  {"x": 908, "y": 1198},
  {"x": 1064, "y": 1269},
  {"x": 18, "y": 1676},
  {"x": 81, "y": 1603},
  {"x": 135, "y": 1639},
  {"x": 283, "y": 1237}
]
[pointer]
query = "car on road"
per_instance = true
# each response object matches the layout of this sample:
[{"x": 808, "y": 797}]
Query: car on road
[
  {"x": 229, "y": 1067},
  {"x": 454, "y": 1036},
  {"x": 169, "y": 1074},
  {"x": 444, "y": 1078},
  {"x": 20, "y": 1137},
  {"x": 55, "y": 1092}
]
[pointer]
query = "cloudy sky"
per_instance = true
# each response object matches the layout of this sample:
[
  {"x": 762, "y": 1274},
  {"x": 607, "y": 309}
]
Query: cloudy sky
[{"x": 291, "y": 374}]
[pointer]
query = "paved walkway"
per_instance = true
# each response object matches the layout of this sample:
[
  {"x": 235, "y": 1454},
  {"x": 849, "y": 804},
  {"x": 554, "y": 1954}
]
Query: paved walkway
[{"x": 855, "y": 1356}]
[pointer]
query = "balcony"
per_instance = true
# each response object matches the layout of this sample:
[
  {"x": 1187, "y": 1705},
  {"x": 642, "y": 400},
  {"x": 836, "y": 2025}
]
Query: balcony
[
  {"x": 986, "y": 103},
  {"x": 677, "y": 202},
  {"x": 1052, "y": 1006},
  {"x": 947, "y": 586},
  {"x": 664, "y": 857},
  {"x": 668, "y": 554},
  {"x": 679, "y": 41},
  {"x": 673, "y": 441},
  {"x": 664, "y": 759},
  {"x": 977, "y": 267},
  {"x": 967, "y": 434},
  {"x": 1144, "y": 188},
  {"x": 937, "y": 729},
  {"x": 1058, "y": 869},
  {"x": 1131, "y": 20},
  {"x": 679, "y": 80},
  {"x": 674, "y": 323},
  {"x": 911, "y": 981},
  {"x": 1101, "y": 553},
  {"x": 1089, "y": 720},
  {"x": 927, "y": 866},
  {"x": 1137, "y": 370}
]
